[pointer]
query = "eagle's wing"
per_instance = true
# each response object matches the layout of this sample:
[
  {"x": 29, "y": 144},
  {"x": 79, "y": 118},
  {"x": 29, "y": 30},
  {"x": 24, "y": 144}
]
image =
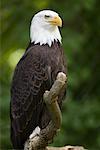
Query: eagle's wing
[{"x": 29, "y": 84}]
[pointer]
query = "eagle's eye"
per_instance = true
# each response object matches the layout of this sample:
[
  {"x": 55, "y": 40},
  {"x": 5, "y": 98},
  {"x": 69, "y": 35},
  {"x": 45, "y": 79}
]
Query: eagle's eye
[{"x": 47, "y": 16}]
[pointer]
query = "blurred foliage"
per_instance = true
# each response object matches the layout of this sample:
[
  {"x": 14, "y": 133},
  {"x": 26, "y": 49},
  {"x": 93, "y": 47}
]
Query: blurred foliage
[{"x": 81, "y": 42}]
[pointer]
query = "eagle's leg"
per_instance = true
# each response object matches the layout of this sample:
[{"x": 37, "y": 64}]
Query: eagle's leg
[{"x": 35, "y": 132}]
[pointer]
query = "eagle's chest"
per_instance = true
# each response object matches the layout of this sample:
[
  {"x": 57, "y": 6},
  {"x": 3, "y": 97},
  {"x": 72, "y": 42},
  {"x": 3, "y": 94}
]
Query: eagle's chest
[
  {"x": 53, "y": 63},
  {"x": 53, "y": 58}
]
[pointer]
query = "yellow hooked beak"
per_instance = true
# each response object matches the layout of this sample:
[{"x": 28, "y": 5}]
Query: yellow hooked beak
[{"x": 56, "y": 21}]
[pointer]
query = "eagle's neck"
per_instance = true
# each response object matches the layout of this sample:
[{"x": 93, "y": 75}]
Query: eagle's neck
[{"x": 44, "y": 36}]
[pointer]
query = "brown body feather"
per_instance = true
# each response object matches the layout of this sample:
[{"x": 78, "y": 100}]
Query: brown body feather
[{"x": 35, "y": 73}]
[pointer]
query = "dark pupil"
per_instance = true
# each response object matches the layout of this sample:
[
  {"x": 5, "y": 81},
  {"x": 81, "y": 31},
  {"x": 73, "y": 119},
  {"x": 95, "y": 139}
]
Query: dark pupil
[{"x": 46, "y": 16}]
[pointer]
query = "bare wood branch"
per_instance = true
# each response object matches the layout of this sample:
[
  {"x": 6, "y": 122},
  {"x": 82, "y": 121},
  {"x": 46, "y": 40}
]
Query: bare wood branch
[
  {"x": 46, "y": 135},
  {"x": 66, "y": 148}
]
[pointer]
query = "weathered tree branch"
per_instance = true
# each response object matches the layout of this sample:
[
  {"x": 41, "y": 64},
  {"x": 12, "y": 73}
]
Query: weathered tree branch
[
  {"x": 66, "y": 148},
  {"x": 41, "y": 140}
]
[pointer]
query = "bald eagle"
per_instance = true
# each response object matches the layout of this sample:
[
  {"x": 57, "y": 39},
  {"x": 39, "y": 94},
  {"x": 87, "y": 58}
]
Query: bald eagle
[{"x": 34, "y": 74}]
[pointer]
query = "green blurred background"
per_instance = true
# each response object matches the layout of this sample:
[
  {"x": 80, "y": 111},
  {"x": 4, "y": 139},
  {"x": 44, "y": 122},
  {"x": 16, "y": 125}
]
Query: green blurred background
[{"x": 81, "y": 42}]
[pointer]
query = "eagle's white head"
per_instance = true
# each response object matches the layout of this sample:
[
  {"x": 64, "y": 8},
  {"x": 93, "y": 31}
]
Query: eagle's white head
[{"x": 44, "y": 27}]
